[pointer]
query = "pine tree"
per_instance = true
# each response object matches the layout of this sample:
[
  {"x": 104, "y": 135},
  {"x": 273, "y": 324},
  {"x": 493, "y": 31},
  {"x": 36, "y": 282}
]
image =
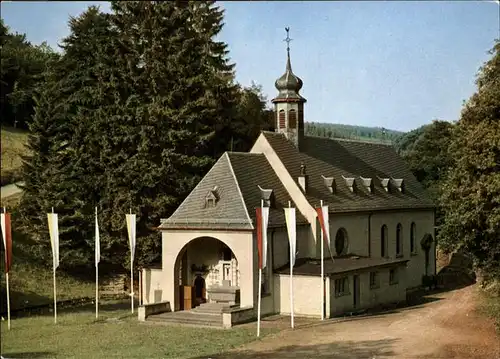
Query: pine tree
[{"x": 61, "y": 170}]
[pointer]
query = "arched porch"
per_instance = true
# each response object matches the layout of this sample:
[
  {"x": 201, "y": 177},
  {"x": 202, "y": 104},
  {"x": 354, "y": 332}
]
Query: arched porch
[
  {"x": 206, "y": 270},
  {"x": 219, "y": 258}
]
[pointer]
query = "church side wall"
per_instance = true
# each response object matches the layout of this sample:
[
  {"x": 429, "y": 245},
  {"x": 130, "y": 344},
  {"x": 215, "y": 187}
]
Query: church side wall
[
  {"x": 383, "y": 293},
  {"x": 357, "y": 226},
  {"x": 306, "y": 295}
]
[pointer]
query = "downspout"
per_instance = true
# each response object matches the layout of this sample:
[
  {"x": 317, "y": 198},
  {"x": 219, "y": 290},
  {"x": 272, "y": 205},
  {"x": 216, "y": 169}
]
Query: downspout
[
  {"x": 272, "y": 267},
  {"x": 370, "y": 234}
]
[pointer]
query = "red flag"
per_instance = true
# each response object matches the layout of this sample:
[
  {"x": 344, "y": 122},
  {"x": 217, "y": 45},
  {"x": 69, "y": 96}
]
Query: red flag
[
  {"x": 258, "y": 212},
  {"x": 7, "y": 240},
  {"x": 322, "y": 223}
]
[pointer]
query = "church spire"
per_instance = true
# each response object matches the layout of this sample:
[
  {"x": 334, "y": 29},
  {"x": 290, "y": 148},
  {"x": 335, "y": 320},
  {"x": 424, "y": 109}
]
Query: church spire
[
  {"x": 289, "y": 104},
  {"x": 288, "y": 84}
]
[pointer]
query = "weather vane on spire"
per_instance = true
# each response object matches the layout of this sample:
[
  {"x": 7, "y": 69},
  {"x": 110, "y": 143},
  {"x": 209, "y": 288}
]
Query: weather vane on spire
[{"x": 287, "y": 29}]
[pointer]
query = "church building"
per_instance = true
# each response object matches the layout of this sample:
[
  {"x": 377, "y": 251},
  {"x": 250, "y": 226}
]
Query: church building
[{"x": 381, "y": 225}]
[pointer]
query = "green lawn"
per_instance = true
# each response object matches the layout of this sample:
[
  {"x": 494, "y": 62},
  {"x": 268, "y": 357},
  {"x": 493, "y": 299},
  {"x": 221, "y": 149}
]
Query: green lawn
[
  {"x": 31, "y": 281},
  {"x": 117, "y": 334}
]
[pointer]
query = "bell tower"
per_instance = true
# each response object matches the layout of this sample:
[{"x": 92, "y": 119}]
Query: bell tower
[{"x": 289, "y": 104}]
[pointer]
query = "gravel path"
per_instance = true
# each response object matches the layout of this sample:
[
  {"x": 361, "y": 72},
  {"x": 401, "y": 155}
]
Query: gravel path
[{"x": 447, "y": 326}]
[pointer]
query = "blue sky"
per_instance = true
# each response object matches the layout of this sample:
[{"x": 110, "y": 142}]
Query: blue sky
[{"x": 390, "y": 64}]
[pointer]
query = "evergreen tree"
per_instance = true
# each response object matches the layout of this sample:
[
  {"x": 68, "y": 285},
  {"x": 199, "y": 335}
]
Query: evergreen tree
[{"x": 61, "y": 170}]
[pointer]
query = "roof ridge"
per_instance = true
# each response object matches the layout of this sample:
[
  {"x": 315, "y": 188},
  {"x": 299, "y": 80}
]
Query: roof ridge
[
  {"x": 244, "y": 153},
  {"x": 351, "y": 140},
  {"x": 238, "y": 188}
]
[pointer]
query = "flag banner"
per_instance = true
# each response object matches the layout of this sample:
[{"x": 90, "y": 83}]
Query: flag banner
[
  {"x": 131, "y": 233},
  {"x": 97, "y": 242},
  {"x": 262, "y": 222},
  {"x": 325, "y": 224},
  {"x": 7, "y": 239},
  {"x": 54, "y": 238},
  {"x": 292, "y": 232},
  {"x": 265, "y": 222}
]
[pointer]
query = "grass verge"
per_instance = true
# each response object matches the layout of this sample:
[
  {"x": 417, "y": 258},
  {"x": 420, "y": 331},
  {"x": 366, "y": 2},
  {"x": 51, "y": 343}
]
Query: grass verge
[
  {"x": 489, "y": 303},
  {"x": 117, "y": 334}
]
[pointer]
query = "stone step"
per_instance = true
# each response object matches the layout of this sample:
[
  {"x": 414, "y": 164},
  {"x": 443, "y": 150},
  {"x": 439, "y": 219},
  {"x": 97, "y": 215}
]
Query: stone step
[
  {"x": 188, "y": 317},
  {"x": 211, "y": 308}
]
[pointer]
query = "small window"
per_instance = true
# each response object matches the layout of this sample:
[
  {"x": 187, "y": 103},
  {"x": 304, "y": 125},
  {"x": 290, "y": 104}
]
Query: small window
[
  {"x": 374, "y": 280},
  {"x": 399, "y": 242},
  {"x": 292, "y": 119},
  {"x": 383, "y": 241},
  {"x": 210, "y": 202},
  {"x": 393, "y": 277},
  {"x": 281, "y": 119},
  {"x": 413, "y": 235},
  {"x": 341, "y": 287},
  {"x": 341, "y": 242}
]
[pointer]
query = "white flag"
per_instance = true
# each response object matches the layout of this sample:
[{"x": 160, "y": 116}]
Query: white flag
[
  {"x": 292, "y": 232},
  {"x": 54, "y": 238},
  {"x": 131, "y": 234},
  {"x": 265, "y": 222},
  {"x": 97, "y": 242}
]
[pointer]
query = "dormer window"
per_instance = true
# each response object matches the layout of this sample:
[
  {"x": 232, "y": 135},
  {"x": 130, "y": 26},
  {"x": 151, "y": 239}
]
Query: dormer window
[
  {"x": 211, "y": 198},
  {"x": 350, "y": 183},
  {"x": 384, "y": 182},
  {"x": 267, "y": 196},
  {"x": 367, "y": 183},
  {"x": 398, "y": 183},
  {"x": 329, "y": 183}
]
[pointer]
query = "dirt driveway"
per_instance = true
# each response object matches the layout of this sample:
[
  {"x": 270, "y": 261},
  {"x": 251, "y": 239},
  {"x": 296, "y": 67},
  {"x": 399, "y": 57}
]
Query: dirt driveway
[{"x": 445, "y": 327}]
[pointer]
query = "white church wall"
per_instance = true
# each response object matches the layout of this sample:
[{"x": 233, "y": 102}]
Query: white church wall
[
  {"x": 306, "y": 294},
  {"x": 152, "y": 285}
]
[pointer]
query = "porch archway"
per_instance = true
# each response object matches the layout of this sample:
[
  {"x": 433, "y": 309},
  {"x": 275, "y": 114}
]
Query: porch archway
[{"x": 203, "y": 264}]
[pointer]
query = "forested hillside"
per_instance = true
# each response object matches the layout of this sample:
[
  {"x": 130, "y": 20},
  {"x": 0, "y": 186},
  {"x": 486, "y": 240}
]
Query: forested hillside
[{"x": 334, "y": 130}]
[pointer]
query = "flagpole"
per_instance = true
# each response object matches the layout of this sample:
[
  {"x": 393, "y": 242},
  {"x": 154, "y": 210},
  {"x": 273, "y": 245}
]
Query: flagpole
[
  {"x": 140, "y": 286},
  {"x": 260, "y": 280},
  {"x": 291, "y": 281},
  {"x": 131, "y": 275},
  {"x": 322, "y": 272},
  {"x": 55, "y": 291},
  {"x": 7, "y": 275},
  {"x": 96, "y": 272}
]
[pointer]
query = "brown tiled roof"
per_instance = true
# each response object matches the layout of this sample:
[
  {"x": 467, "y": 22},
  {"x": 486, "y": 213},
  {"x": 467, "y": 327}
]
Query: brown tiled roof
[
  {"x": 344, "y": 158},
  {"x": 305, "y": 266},
  {"x": 253, "y": 170},
  {"x": 229, "y": 211},
  {"x": 237, "y": 177}
]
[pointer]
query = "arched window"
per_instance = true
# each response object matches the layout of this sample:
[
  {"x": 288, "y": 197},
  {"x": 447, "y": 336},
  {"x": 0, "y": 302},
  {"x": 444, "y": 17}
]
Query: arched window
[
  {"x": 292, "y": 119},
  {"x": 341, "y": 242},
  {"x": 281, "y": 118},
  {"x": 399, "y": 242},
  {"x": 413, "y": 235},
  {"x": 383, "y": 241}
]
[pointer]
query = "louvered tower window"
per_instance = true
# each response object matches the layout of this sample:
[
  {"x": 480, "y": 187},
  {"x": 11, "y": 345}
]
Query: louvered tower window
[
  {"x": 292, "y": 119},
  {"x": 281, "y": 119}
]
